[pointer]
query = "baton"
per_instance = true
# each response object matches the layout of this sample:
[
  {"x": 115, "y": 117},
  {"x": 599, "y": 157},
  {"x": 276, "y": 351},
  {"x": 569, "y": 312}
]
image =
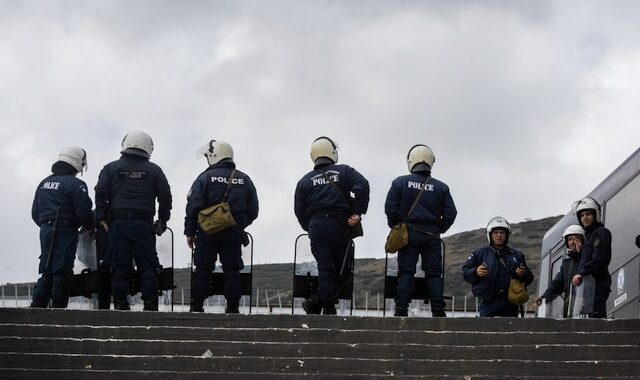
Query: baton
[{"x": 54, "y": 232}]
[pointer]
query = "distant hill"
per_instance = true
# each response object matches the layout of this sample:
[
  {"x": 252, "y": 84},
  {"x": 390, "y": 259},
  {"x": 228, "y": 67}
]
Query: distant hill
[{"x": 369, "y": 273}]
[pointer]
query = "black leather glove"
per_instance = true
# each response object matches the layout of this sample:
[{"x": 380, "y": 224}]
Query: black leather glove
[
  {"x": 245, "y": 239},
  {"x": 159, "y": 227}
]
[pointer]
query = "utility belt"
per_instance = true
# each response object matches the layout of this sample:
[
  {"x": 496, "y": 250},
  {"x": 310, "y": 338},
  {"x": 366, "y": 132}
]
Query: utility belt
[
  {"x": 340, "y": 217},
  {"x": 62, "y": 223},
  {"x": 130, "y": 214}
]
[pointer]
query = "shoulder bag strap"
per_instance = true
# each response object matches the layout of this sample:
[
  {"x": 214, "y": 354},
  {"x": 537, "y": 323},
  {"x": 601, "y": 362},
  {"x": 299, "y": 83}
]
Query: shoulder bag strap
[
  {"x": 415, "y": 202},
  {"x": 344, "y": 197},
  {"x": 230, "y": 179}
]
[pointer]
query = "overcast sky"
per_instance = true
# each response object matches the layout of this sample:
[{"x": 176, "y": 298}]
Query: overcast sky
[{"x": 527, "y": 105}]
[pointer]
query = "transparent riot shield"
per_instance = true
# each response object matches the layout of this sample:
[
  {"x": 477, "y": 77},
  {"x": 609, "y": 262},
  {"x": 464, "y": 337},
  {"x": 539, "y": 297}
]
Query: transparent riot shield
[
  {"x": 305, "y": 277},
  {"x": 86, "y": 280},
  {"x": 583, "y": 297},
  {"x": 420, "y": 286},
  {"x": 552, "y": 309}
]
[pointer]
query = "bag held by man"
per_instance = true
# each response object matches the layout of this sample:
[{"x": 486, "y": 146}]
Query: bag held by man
[
  {"x": 217, "y": 217},
  {"x": 357, "y": 230},
  {"x": 518, "y": 293},
  {"x": 398, "y": 237}
]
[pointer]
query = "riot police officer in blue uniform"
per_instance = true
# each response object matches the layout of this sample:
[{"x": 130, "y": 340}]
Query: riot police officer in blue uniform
[
  {"x": 596, "y": 254},
  {"x": 489, "y": 270},
  {"x": 432, "y": 215},
  {"x": 209, "y": 189},
  {"x": 329, "y": 214},
  {"x": 126, "y": 195},
  {"x": 61, "y": 205},
  {"x": 573, "y": 237}
]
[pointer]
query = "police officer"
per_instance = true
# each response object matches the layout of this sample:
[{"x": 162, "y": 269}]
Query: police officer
[
  {"x": 432, "y": 215},
  {"x": 561, "y": 284},
  {"x": 489, "y": 270},
  {"x": 61, "y": 206},
  {"x": 596, "y": 253},
  {"x": 126, "y": 194},
  {"x": 324, "y": 207},
  {"x": 207, "y": 190}
]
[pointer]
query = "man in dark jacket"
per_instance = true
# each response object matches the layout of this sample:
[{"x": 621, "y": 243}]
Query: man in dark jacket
[
  {"x": 561, "y": 284},
  {"x": 126, "y": 195},
  {"x": 596, "y": 254},
  {"x": 325, "y": 208},
  {"x": 489, "y": 270},
  {"x": 209, "y": 189},
  {"x": 61, "y": 205},
  {"x": 434, "y": 212}
]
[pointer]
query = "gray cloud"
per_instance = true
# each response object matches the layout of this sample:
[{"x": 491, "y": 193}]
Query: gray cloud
[{"x": 527, "y": 107}]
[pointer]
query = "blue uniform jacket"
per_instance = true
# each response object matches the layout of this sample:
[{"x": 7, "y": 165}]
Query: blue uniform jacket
[
  {"x": 435, "y": 211},
  {"x": 208, "y": 189},
  {"x": 132, "y": 183},
  {"x": 596, "y": 253},
  {"x": 483, "y": 288},
  {"x": 315, "y": 195},
  {"x": 62, "y": 189}
]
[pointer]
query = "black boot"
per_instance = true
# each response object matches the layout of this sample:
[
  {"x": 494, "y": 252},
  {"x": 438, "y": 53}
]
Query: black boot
[
  {"x": 312, "y": 305},
  {"x": 232, "y": 309},
  {"x": 120, "y": 303},
  {"x": 329, "y": 310},
  {"x": 402, "y": 310},
  {"x": 151, "y": 305},
  {"x": 196, "y": 306},
  {"x": 438, "y": 313}
]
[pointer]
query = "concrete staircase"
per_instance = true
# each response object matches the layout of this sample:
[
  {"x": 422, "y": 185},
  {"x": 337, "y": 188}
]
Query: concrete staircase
[{"x": 73, "y": 344}]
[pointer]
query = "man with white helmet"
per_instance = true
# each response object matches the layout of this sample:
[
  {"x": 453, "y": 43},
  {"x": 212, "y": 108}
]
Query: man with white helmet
[
  {"x": 561, "y": 284},
  {"x": 596, "y": 253},
  {"x": 126, "y": 195},
  {"x": 61, "y": 205},
  {"x": 490, "y": 269},
  {"x": 433, "y": 213},
  {"x": 325, "y": 207},
  {"x": 220, "y": 182}
]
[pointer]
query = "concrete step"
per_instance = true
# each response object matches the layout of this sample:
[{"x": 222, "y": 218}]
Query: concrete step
[
  {"x": 304, "y": 335},
  {"x": 129, "y": 318},
  {"x": 110, "y": 344},
  {"x": 548, "y": 352},
  {"x": 304, "y": 365}
]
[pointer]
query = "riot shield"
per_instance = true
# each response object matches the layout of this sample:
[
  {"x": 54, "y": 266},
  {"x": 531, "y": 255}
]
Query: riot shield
[
  {"x": 583, "y": 297},
  {"x": 305, "y": 276},
  {"x": 86, "y": 279},
  {"x": 553, "y": 308}
]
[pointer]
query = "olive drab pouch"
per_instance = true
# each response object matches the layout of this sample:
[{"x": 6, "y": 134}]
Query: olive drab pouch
[
  {"x": 398, "y": 238},
  {"x": 518, "y": 293},
  {"x": 216, "y": 218}
]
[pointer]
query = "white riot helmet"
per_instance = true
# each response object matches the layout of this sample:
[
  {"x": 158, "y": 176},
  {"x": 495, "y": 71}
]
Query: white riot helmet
[
  {"x": 137, "y": 143},
  {"x": 420, "y": 158},
  {"x": 498, "y": 222},
  {"x": 324, "y": 147},
  {"x": 74, "y": 156},
  {"x": 216, "y": 151},
  {"x": 586, "y": 204},
  {"x": 573, "y": 229}
]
